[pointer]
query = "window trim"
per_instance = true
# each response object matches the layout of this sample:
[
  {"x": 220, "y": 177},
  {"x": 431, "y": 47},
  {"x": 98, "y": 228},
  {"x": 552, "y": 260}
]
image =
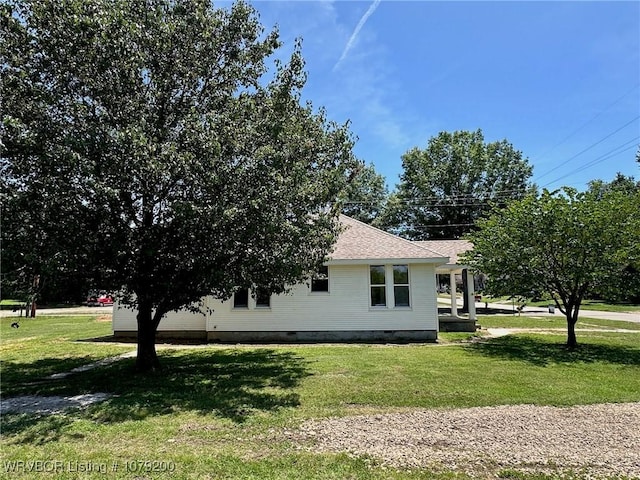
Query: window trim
[
  {"x": 320, "y": 274},
  {"x": 389, "y": 288},
  {"x": 262, "y": 306},
  {"x": 407, "y": 285},
  {"x": 241, "y": 307},
  {"x": 378, "y": 285}
]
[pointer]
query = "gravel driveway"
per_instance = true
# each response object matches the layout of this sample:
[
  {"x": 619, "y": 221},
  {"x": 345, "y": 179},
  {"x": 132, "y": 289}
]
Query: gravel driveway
[{"x": 592, "y": 440}]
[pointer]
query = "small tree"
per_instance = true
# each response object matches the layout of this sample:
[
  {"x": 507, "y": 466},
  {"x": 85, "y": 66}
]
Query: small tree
[
  {"x": 563, "y": 243},
  {"x": 143, "y": 143}
]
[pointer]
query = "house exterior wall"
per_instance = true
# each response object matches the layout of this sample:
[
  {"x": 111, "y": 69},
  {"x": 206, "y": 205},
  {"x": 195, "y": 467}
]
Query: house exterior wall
[
  {"x": 343, "y": 313},
  {"x": 175, "y": 324}
]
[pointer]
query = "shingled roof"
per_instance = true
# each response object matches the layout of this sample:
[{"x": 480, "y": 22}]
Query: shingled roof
[
  {"x": 360, "y": 242},
  {"x": 449, "y": 248}
]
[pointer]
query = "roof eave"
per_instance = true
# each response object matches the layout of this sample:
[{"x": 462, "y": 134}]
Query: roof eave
[{"x": 377, "y": 261}]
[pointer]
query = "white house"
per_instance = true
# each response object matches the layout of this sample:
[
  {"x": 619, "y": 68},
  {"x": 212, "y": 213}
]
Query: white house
[{"x": 375, "y": 286}]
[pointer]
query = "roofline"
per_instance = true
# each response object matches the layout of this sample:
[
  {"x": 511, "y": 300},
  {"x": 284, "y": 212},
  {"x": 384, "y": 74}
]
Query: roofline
[
  {"x": 437, "y": 261},
  {"x": 396, "y": 237},
  {"x": 454, "y": 266}
]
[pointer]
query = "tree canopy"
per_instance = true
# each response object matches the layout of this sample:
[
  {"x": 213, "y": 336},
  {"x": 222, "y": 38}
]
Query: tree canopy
[
  {"x": 625, "y": 286},
  {"x": 150, "y": 146},
  {"x": 365, "y": 197},
  {"x": 562, "y": 243},
  {"x": 446, "y": 187}
]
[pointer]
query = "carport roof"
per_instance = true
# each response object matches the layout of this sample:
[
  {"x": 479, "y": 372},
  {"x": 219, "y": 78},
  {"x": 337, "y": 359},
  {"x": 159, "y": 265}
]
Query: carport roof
[{"x": 448, "y": 248}]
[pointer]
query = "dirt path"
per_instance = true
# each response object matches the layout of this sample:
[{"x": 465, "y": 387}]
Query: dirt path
[{"x": 593, "y": 440}]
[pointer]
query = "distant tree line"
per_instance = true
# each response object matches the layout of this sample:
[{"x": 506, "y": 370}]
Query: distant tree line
[{"x": 449, "y": 189}]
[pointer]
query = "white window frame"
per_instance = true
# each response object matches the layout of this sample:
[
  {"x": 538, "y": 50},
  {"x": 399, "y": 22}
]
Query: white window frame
[
  {"x": 389, "y": 287},
  {"x": 241, "y": 307},
  {"x": 378, "y": 285},
  {"x": 258, "y": 306},
  {"x": 321, "y": 292},
  {"x": 408, "y": 285},
  {"x": 252, "y": 303}
]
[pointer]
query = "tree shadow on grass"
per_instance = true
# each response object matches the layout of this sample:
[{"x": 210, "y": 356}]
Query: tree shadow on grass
[
  {"x": 26, "y": 378},
  {"x": 232, "y": 384},
  {"x": 36, "y": 429},
  {"x": 544, "y": 351}
]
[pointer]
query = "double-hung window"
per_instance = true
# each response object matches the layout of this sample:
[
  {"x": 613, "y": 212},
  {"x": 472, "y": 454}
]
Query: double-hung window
[
  {"x": 401, "y": 286},
  {"x": 389, "y": 285},
  {"x": 320, "y": 282},
  {"x": 263, "y": 299},
  {"x": 241, "y": 298},
  {"x": 378, "y": 286}
]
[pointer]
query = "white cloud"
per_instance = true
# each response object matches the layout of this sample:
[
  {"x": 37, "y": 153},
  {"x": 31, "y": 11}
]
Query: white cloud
[{"x": 354, "y": 35}]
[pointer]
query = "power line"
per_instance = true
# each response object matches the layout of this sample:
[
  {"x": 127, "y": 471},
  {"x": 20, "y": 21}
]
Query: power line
[
  {"x": 588, "y": 121},
  {"x": 606, "y": 156},
  {"x": 589, "y": 147}
]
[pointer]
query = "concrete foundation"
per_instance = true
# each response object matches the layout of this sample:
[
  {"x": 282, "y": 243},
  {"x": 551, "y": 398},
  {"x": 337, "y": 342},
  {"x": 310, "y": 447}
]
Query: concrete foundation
[
  {"x": 326, "y": 336},
  {"x": 456, "y": 324},
  {"x": 293, "y": 337}
]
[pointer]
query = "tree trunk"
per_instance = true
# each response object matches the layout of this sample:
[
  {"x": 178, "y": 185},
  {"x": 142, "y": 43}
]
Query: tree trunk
[
  {"x": 572, "y": 342},
  {"x": 147, "y": 359}
]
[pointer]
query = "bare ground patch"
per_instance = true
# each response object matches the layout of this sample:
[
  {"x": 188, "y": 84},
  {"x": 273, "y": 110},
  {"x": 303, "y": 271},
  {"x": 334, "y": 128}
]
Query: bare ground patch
[{"x": 593, "y": 440}]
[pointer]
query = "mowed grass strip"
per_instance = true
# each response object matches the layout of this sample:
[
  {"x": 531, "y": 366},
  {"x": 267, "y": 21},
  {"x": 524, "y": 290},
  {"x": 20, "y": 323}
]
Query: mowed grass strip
[{"x": 219, "y": 411}]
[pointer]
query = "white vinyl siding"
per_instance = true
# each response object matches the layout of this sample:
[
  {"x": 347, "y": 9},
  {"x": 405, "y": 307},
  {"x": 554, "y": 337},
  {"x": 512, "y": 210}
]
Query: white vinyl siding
[
  {"x": 346, "y": 307},
  {"x": 125, "y": 320}
]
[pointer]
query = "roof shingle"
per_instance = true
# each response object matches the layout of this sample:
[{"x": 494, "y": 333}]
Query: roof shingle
[
  {"x": 360, "y": 241},
  {"x": 449, "y": 248}
]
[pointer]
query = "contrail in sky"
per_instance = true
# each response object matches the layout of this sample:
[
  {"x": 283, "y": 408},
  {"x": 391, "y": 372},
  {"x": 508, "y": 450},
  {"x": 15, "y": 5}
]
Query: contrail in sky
[{"x": 361, "y": 23}]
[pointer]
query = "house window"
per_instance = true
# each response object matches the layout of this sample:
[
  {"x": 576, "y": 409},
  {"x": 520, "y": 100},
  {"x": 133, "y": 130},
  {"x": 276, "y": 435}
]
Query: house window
[
  {"x": 401, "y": 285},
  {"x": 241, "y": 298},
  {"x": 263, "y": 298},
  {"x": 378, "y": 289},
  {"x": 320, "y": 283}
]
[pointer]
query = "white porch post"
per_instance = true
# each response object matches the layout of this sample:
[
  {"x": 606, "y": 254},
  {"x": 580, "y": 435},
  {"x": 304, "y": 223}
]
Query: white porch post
[
  {"x": 471, "y": 298},
  {"x": 452, "y": 289}
]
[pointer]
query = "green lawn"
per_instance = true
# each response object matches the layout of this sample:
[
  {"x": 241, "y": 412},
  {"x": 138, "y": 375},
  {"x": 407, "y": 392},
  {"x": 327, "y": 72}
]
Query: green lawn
[{"x": 219, "y": 411}]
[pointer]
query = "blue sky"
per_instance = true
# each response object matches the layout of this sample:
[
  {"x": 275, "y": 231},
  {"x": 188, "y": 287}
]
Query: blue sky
[{"x": 559, "y": 80}]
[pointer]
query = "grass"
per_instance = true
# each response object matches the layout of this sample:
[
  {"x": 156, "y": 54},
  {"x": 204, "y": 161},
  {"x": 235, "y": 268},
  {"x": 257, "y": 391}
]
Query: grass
[
  {"x": 219, "y": 411},
  {"x": 9, "y": 301}
]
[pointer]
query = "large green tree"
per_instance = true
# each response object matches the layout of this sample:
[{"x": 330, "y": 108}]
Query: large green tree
[
  {"x": 446, "y": 187},
  {"x": 151, "y": 143},
  {"x": 562, "y": 243},
  {"x": 625, "y": 286},
  {"x": 366, "y": 196}
]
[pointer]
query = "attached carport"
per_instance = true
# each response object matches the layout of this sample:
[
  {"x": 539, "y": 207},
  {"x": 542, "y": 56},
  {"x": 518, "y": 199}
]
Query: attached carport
[{"x": 454, "y": 322}]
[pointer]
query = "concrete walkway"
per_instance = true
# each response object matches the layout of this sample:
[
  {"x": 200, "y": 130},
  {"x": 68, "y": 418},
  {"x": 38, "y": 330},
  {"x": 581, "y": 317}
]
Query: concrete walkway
[
  {"x": 544, "y": 312},
  {"x": 61, "y": 311},
  {"x": 633, "y": 317},
  {"x": 535, "y": 311}
]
